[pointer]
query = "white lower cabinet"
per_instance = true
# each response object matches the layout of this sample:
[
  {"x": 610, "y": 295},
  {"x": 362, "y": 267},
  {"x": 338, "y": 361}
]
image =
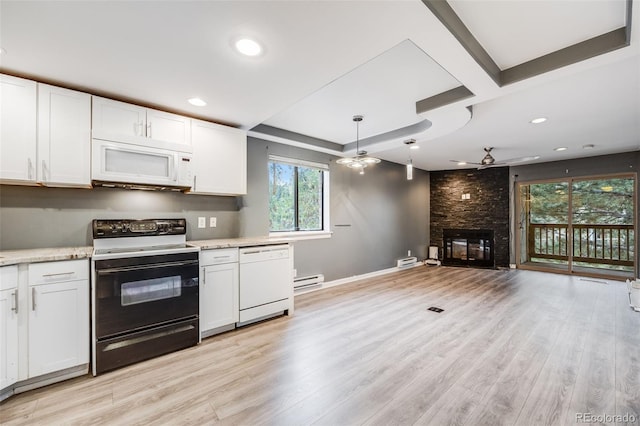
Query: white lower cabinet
[
  {"x": 8, "y": 326},
  {"x": 58, "y": 326},
  {"x": 218, "y": 290},
  {"x": 45, "y": 324}
]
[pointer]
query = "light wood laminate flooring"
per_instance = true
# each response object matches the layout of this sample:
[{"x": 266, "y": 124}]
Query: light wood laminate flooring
[{"x": 511, "y": 347}]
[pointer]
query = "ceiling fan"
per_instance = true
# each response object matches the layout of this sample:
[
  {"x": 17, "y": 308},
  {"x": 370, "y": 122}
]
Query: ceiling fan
[{"x": 489, "y": 161}]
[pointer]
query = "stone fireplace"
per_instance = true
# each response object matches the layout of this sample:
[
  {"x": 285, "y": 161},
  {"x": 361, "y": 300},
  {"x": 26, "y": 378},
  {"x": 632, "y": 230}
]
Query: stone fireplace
[{"x": 475, "y": 201}]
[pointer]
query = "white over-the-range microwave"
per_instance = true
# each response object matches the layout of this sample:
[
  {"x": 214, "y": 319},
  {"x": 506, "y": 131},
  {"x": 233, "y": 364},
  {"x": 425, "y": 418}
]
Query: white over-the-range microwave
[{"x": 126, "y": 164}]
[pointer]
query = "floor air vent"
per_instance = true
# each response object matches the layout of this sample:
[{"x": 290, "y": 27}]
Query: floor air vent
[
  {"x": 308, "y": 281},
  {"x": 434, "y": 309}
]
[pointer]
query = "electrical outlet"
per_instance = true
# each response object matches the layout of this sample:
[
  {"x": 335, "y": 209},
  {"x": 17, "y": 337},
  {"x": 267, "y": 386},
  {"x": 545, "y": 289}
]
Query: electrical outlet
[
  {"x": 408, "y": 253},
  {"x": 202, "y": 222},
  {"x": 295, "y": 273},
  {"x": 213, "y": 222}
]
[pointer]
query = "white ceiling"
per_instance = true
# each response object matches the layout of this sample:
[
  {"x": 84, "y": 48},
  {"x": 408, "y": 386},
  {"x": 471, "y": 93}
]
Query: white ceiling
[
  {"x": 514, "y": 32},
  {"x": 326, "y": 61}
]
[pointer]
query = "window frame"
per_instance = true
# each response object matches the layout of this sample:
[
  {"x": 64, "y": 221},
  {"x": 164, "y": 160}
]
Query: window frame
[{"x": 325, "y": 231}]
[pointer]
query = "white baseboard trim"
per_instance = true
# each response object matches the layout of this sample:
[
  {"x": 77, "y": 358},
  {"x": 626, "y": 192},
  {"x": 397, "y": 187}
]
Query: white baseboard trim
[{"x": 346, "y": 280}]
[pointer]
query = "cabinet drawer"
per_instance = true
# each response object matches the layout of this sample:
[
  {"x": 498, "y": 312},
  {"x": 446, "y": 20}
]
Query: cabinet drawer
[
  {"x": 8, "y": 277},
  {"x": 64, "y": 270},
  {"x": 215, "y": 257}
]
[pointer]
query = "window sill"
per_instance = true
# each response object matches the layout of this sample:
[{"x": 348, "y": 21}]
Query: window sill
[{"x": 302, "y": 235}]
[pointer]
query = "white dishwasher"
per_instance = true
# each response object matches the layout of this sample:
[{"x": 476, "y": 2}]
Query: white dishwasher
[{"x": 266, "y": 282}]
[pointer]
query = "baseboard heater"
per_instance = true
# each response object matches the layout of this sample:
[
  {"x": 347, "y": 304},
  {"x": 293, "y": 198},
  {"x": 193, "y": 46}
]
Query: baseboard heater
[
  {"x": 308, "y": 281},
  {"x": 407, "y": 261}
]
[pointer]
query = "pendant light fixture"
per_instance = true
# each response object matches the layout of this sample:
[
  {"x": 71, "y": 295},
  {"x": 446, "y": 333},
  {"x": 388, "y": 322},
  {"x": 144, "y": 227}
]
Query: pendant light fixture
[
  {"x": 361, "y": 159},
  {"x": 409, "y": 143}
]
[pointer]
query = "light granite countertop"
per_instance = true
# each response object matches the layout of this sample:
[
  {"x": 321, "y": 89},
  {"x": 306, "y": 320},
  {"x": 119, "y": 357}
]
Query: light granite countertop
[
  {"x": 239, "y": 242},
  {"x": 14, "y": 257}
]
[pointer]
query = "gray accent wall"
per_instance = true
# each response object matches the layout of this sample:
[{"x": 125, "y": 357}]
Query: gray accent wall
[
  {"x": 36, "y": 217},
  {"x": 375, "y": 218}
]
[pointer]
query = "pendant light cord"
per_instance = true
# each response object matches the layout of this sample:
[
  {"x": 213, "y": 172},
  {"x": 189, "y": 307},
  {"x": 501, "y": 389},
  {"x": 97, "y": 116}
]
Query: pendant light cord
[{"x": 357, "y": 138}]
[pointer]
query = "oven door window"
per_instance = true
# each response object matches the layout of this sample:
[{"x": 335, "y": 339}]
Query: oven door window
[
  {"x": 135, "y": 293},
  {"x": 144, "y": 291}
]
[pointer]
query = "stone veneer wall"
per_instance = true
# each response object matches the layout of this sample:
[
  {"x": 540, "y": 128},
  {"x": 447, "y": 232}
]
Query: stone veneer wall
[{"x": 486, "y": 208}]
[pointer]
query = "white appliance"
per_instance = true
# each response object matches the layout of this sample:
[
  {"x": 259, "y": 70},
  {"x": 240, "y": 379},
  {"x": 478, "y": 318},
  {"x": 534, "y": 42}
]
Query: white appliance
[
  {"x": 433, "y": 257},
  {"x": 634, "y": 294},
  {"x": 129, "y": 165},
  {"x": 266, "y": 282}
]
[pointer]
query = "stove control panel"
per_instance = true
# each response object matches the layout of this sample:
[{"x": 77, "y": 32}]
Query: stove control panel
[{"x": 113, "y": 228}]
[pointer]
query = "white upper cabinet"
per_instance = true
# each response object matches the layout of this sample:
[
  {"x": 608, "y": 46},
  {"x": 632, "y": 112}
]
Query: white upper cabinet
[
  {"x": 220, "y": 159},
  {"x": 45, "y": 134},
  {"x": 164, "y": 126},
  {"x": 113, "y": 119},
  {"x": 123, "y": 122},
  {"x": 64, "y": 137},
  {"x": 17, "y": 130}
]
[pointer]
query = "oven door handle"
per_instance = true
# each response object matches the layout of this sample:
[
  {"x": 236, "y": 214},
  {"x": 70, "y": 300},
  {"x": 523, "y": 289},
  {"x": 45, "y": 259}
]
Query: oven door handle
[{"x": 108, "y": 271}]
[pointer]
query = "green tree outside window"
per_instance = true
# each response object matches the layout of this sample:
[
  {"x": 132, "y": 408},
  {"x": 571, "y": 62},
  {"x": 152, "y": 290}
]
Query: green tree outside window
[{"x": 295, "y": 198}]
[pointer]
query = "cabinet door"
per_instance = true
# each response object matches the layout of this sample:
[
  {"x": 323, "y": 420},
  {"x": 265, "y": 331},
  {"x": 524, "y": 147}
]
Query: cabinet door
[
  {"x": 64, "y": 137},
  {"x": 58, "y": 326},
  {"x": 219, "y": 296},
  {"x": 166, "y": 127},
  {"x": 8, "y": 337},
  {"x": 220, "y": 159},
  {"x": 114, "y": 120},
  {"x": 17, "y": 129}
]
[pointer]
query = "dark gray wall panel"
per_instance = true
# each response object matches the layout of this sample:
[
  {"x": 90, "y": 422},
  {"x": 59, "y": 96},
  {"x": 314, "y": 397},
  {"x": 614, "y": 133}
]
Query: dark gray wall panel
[
  {"x": 375, "y": 218},
  {"x": 605, "y": 164},
  {"x": 34, "y": 217}
]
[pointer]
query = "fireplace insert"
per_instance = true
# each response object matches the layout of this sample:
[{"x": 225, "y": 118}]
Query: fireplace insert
[{"x": 468, "y": 247}]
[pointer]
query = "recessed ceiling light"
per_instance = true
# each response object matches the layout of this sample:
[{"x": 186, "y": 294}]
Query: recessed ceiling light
[
  {"x": 197, "y": 102},
  {"x": 462, "y": 163},
  {"x": 538, "y": 120},
  {"x": 560, "y": 148},
  {"x": 248, "y": 47},
  {"x": 588, "y": 146},
  {"x": 414, "y": 147}
]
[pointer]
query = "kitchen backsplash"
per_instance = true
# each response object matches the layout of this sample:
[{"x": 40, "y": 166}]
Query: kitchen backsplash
[{"x": 35, "y": 217}]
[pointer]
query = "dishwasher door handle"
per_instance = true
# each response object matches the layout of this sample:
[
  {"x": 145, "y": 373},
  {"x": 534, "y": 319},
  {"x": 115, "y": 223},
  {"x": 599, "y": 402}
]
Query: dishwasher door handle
[{"x": 253, "y": 252}]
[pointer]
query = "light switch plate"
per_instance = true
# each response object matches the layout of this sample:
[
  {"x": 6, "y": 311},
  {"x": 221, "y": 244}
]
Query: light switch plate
[
  {"x": 202, "y": 222},
  {"x": 213, "y": 222}
]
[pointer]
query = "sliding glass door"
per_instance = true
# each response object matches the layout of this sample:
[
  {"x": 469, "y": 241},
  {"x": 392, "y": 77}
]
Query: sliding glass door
[{"x": 584, "y": 225}]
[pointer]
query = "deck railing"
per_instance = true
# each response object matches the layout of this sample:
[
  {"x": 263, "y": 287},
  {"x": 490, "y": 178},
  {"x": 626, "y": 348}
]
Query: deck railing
[{"x": 601, "y": 244}]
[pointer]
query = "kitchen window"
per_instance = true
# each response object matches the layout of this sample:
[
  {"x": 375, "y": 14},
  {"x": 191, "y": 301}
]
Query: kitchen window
[{"x": 298, "y": 197}]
